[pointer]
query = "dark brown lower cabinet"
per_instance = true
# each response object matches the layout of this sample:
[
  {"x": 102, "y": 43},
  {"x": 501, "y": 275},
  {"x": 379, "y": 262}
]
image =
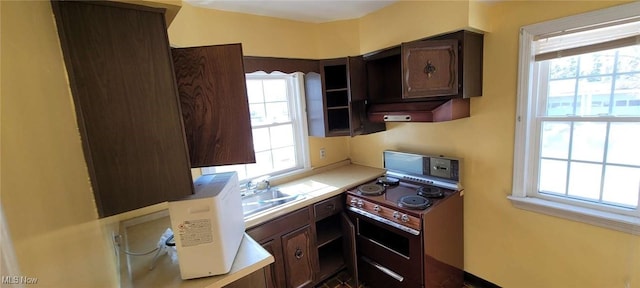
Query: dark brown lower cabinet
[
  {"x": 309, "y": 246},
  {"x": 299, "y": 262},
  {"x": 290, "y": 240}
]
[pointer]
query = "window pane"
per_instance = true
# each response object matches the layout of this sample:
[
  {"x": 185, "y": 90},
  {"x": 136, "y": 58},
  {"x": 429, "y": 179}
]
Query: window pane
[
  {"x": 621, "y": 185},
  {"x": 262, "y": 166},
  {"x": 624, "y": 143},
  {"x": 254, "y": 91},
  {"x": 282, "y": 136},
  {"x": 561, "y": 95},
  {"x": 588, "y": 141},
  {"x": 275, "y": 90},
  {"x": 258, "y": 115},
  {"x": 230, "y": 168},
  {"x": 555, "y": 139},
  {"x": 627, "y": 95},
  {"x": 278, "y": 112},
  {"x": 593, "y": 95},
  {"x": 597, "y": 63},
  {"x": 584, "y": 180},
  {"x": 553, "y": 176},
  {"x": 284, "y": 158},
  {"x": 566, "y": 67},
  {"x": 629, "y": 59},
  {"x": 261, "y": 140}
]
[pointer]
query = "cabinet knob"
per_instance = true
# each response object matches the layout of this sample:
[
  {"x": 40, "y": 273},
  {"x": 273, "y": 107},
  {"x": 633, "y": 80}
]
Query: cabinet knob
[
  {"x": 298, "y": 253},
  {"x": 429, "y": 69}
]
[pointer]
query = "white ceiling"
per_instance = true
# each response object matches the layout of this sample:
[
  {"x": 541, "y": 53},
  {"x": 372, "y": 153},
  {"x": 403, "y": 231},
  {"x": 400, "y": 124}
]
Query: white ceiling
[{"x": 315, "y": 11}]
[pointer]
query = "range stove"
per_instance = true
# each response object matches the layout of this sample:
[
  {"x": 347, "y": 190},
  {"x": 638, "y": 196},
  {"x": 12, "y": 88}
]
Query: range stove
[
  {"x": 408, "y": 224},
  {"x": 410, "y": 187}
]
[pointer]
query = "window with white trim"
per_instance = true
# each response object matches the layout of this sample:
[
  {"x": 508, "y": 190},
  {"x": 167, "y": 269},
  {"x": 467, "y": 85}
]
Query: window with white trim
[
  {"x": 577, "y": 152},
  {"x": 278, "y": 123}
]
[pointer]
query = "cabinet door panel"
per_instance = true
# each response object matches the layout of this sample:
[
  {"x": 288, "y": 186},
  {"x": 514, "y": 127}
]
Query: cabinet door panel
[
  {"x": 121, "y": 77},
  {"x": 298, "y": 258},
  {"x": 430, "y": 68},
  {"x": 213, "y": 97},
  {"x": 350, "y": 256},
  {"x": 273, "y": 274}
]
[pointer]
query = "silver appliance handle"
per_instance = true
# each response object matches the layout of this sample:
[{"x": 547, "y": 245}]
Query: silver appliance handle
[
  {"x": 383, "y": 269},
  {"x": 385, "y": 221}
]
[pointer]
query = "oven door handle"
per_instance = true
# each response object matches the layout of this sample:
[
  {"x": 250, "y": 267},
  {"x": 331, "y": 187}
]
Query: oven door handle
[{"x": 383, "y": 269}]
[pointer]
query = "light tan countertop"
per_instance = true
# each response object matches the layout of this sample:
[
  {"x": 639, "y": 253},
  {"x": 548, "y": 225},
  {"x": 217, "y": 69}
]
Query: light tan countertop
[
  {"x": 142, "y": 233},
  {"x": 317, "y": 187}
]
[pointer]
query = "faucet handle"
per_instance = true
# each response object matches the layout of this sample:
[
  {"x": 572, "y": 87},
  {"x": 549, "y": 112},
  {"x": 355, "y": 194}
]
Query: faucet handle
[{"x": 263, "y": 184}]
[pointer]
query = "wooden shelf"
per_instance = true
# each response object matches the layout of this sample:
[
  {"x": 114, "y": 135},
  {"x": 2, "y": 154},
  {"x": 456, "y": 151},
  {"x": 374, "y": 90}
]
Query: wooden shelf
[
  {"x": 337, "y": 90},
  {"x": 337, "y": 107},
  {"x": 326, "y": 237}
]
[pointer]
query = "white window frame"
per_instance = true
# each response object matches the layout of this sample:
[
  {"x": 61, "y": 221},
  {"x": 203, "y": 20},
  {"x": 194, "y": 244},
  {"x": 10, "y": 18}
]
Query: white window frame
[
  {"x": 297, "y": 110},
  {"x": 524, "y": 191}
]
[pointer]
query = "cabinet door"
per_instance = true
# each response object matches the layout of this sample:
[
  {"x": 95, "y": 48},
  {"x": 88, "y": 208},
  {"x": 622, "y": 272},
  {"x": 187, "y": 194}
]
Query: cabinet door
[
  {"x": 349, "y": 249},
  {"x": 430, "y": 68},
  {"x": 123, "y": 86},
  {"x": 213, "y": 97},
  {"x": 274, "y": 274},
  {"x": 298, "y": 258},
  {"x": 358, "y": 122}
]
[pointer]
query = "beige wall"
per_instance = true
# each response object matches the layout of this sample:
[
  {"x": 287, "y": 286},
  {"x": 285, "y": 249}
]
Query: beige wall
[
  {"x": 50, "y": 209},
  {"x": 505, "y": 245},
  {"x": 45, "y": 189}
]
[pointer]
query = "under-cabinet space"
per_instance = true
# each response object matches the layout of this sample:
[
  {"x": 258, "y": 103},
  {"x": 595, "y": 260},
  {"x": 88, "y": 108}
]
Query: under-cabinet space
[
  {"x": 328, "y": 230},
  {"x": 331, "y": 259}
]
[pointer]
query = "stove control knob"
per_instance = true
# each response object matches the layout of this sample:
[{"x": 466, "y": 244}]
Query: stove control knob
[
  {"x": 396, "y": 215},
  {"x": 376, "y": 208},
  {"x": 353, "y": 202},
  {"x": 360, "y": 203},
  {"x": 405, "y": 218}
]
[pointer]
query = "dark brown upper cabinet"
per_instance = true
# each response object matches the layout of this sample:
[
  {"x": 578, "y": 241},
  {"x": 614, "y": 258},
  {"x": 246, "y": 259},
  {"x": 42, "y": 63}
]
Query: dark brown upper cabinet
[
  {"x": 427, "y": 80},
  {"x": 123, "y": 86},
  {"x": 215, "y": 109},
  {"x": 430, "y": 68},
  {"x": 336, "y": 99}
]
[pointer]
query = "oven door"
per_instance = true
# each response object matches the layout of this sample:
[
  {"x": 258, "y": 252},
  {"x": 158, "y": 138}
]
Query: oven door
[{"x": 387, "y": 256}]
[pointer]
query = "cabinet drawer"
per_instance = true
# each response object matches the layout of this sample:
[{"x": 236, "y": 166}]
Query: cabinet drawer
[
  {"x": 327, "y": 207},
  {"x": 280, "y": 225}
]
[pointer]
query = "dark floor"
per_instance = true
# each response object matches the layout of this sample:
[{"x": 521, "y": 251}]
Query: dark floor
[{"x": 343, "y": 280}]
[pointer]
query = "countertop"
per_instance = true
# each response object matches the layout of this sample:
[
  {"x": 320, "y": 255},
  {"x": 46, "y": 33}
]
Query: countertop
[
  {"x": 143, "y": 232},
  {"x": 317, "y": 187}
]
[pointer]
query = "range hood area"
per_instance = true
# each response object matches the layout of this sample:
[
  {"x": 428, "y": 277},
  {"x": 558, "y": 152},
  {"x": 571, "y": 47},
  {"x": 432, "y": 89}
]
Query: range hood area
[{"x": 427, "y": 80}]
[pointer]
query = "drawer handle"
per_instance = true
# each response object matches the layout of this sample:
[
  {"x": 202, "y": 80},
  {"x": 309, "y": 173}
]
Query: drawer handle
[
  {"x": 383, "y": 269},
  {"x": 299, "y": 254},
  {"x": 429, "y": 69},
  {"x": 330, "y": 207}
]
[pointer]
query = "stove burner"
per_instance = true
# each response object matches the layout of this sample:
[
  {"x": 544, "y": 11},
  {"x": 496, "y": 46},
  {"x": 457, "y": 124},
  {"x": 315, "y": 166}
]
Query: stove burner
[
  {"x": 371, "y": 189},
  {"x": 388, "y": 181},
  {"x": 430, "y": 192},
  {"x": 414, "y": 202}
]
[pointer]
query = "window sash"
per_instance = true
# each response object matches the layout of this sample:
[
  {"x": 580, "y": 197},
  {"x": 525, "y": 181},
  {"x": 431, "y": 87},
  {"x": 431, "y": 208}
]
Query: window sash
[{"x": 540, "y": 72}]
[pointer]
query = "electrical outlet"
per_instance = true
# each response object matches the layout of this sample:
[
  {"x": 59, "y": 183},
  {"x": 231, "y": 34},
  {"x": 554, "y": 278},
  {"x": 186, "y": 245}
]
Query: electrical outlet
[{"x": 323, "y": 153}]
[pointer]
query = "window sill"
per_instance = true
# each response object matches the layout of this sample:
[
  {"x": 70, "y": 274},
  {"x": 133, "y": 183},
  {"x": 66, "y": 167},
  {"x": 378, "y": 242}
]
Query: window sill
[{"x": 623, "y": 223}]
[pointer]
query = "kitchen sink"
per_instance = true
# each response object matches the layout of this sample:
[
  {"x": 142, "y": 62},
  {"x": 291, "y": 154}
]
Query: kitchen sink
[{"x": 266, "y": 199}]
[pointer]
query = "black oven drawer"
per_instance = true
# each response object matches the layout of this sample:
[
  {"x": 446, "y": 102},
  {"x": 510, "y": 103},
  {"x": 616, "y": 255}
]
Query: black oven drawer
[
  {"x": 392, "y": 248},
  {"x": 376, "y": 275}
]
